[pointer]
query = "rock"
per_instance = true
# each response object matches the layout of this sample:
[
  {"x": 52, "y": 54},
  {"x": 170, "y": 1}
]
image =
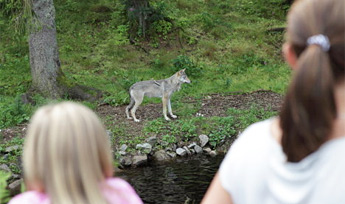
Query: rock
[
  {"x": 187, "y": 150},
  {"x": 181, "y": 144},
  {"x": 15, "y": 187},
  {"x": 174, "y": 147},
  {"x": 122, "y": 153},
  {"x": 191, "y": 145},
  {"x": 207, "y": 150},
  {"x": 152, "y": 140},
  {"x": 168, "y": 149},
  {"x": 15, "y": 176},
  {"x": 192, "y": 151},
  {"x": 213, "y": 153},
  {"x": 12, "y": 148},
  {"x": 198, "y": 149},
  {"x": 126, "y": 161},
  {"x": 164, "y": 143},
  {"x": 171, "y": 154},
  {"x": 110, "y": 135},
  {"x": 123, "y": 147},
  {"x": 139, "y": 160},
  {"x": 5, "y": 168},
  {"x": 161, "y": 155},
  {"x": 203, "y": 140},
  {"x": 181, "y": 152},
  {"x": 145, "y": 148}
]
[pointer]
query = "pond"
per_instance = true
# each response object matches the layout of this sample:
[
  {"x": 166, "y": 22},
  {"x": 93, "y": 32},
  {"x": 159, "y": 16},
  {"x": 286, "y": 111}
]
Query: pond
[{"x": 184, "y": 180}]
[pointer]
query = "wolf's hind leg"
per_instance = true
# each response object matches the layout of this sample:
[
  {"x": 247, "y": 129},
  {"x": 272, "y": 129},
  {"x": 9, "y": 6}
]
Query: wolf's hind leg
[
  {"x": 129, "y": 107},
  {"x": 170, "y": 110},
  {"x": 138, "y": 101}
]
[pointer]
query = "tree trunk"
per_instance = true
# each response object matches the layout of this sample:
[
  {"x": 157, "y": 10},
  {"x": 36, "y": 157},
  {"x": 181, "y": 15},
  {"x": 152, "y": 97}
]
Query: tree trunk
[
  {"x": 44, "y": 54},
  {"x": 138, "y": 11}
]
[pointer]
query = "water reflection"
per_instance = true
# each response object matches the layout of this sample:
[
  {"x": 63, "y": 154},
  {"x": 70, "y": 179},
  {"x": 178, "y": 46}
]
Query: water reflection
[{"x": 174, "y": 182}]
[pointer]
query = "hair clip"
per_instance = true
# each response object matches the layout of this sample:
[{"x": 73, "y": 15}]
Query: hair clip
[{"x": 320, "y": 40}]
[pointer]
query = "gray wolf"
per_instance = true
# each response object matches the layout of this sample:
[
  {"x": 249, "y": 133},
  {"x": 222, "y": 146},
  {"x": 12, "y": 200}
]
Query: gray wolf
[{"x": 163, "y": 88}]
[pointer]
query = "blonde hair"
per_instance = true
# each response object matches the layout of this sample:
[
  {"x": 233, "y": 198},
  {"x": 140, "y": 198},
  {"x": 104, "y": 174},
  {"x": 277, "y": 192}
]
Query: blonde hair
[{"x": 67, "y": 154}]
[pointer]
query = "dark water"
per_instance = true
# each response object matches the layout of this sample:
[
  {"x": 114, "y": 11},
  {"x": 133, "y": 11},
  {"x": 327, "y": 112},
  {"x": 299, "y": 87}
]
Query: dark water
[{"x": 181, "y": 181}]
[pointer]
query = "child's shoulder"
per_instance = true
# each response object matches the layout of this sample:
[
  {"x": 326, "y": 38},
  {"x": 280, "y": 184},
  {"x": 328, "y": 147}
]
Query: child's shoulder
[
  {"x": 30, "y": 197},
  {"x": 118, "y": 183},
  {"x": 120, "y": 191}
]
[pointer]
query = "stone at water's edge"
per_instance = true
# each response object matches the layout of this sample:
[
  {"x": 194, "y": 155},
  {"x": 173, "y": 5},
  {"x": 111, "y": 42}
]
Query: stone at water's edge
[
  {"x": 145, "y": 148},
  {"x": 213, "y": 153},
  {"x": 192, "y": 145},
  {"x": 5, "y": 168},
  {"x": 181, "y": 152},
  {"x": 152, "y": 140},
  {"x": 126, "y": 161},
  {"x": 203, "y": 140},
  {"x": 207, "y": 150},
  {"x": 187, "y": 150},
  {"x": 139, "y": 160},
  {"x": 123, "y": 147},
  {"x": 15, "y": 186},
  {"x": 172, "y": 154},
  {"x": 161, "y": 155},
  {"x": 198, "y": 149}
]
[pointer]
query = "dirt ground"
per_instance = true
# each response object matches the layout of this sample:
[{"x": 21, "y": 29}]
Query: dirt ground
[{"x": 211, "y": 105}]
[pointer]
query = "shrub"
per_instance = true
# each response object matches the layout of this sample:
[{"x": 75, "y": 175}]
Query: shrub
[
  {"x": 183, "y": 62},
  {"x": 4, "y": 194}
]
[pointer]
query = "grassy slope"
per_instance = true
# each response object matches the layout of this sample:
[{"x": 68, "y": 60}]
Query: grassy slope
[{"x": 227, "y": 39}]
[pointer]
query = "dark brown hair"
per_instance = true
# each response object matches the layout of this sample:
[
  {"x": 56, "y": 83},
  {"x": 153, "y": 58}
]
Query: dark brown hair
[{"x": 309, "y": 108}]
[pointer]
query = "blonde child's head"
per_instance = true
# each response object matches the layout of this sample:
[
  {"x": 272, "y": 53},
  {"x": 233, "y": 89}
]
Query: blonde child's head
[{"x": 67, "y": 154}]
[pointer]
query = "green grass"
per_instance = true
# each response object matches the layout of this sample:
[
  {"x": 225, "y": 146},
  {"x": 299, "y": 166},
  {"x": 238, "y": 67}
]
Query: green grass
[
  {"x": 217, "y": 128},
  {"x": 225, "y": 48}
]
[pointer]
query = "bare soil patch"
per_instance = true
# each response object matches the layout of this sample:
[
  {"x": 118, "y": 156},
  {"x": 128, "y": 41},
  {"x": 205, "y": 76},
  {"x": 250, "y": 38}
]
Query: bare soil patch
[{"x": 211, "y": 105}]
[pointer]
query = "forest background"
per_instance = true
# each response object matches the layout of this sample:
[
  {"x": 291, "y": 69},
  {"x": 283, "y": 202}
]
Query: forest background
[{"x": 226, "y": 46}]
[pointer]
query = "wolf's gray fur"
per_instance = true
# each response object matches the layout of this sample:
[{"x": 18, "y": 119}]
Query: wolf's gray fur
[{"x": 156, "y": 88}]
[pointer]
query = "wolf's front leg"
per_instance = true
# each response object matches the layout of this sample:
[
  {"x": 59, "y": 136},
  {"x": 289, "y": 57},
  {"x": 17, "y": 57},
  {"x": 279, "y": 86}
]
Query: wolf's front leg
[
  {"x": 170, "y": 110},
  {"x": 165, "y": 101}
]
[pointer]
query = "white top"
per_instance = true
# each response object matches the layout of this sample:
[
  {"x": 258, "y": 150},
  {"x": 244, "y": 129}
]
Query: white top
[{"x": 255, "y": 170}]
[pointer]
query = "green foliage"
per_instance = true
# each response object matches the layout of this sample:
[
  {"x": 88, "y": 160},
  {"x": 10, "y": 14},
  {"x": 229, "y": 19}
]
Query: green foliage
[
  {"x": 262, "y": 8},
  {"x": 224, "y": 128},
  {"x": 4, "y": 194},
  {"x": 245, "y": 62},
  {"x": 224, "y": 46},
  {"x": 13, "y": 157},
  {"x": 14, "y": 113},
  {"x": 162, "y": 27},
  {"x": 168, "y": 139},
  {"x": 249, "y": 116},
  {"x": 183, "y": 129},
  {"x": 10, "y": 7},
  {"x": 142, "y": 14},
  {"x": 183, "y": 62}
]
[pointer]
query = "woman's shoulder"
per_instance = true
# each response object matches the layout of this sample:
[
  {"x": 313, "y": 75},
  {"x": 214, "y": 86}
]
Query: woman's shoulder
[
  {"x": 30, "y": 197},
  {"x": 255, "y": 134}
]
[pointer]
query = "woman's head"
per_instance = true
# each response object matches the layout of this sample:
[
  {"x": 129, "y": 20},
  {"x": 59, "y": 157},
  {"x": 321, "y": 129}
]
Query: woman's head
[
  {"x": 67, "y": 153},
  {"x": 309, "y": 108}
]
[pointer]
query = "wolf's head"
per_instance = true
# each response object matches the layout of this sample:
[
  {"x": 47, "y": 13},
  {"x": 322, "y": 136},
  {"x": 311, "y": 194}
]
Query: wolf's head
[{"x": 182, "y": 76}]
